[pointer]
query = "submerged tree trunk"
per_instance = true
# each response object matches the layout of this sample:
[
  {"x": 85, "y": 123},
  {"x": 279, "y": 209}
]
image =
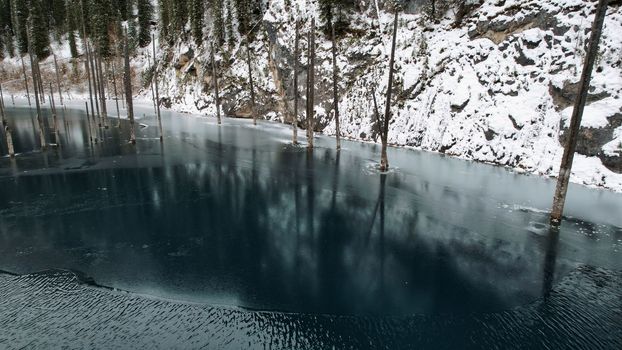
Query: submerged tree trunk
[
  {"x": 102, "y": 87},
  {"x": 116, "y": 95},
  {"x": 250, "y": 80},
  {"x": 5, "y": 126},
  {"x": 25, "y": 80},
  {"x": 155, "y": 83},
  {"x": 577, "y": 113},
  {"x": 96, "y": 90},
  {"x": 54, "y": 116},
  {"x": 296, "y": 57},
  {"x": 335, "y": 89},
  {"x": 36, "y": 85},
  {"x": 216, "y": 94},
  {"x": 87, "y": 64},
  {"x": 88, "y": 122},
  {"x": 311, "y": 86},
  {"x": 384, "y": 161},
  {"x": 60, "y": 92},
  {"x": 127, "y": 82}
]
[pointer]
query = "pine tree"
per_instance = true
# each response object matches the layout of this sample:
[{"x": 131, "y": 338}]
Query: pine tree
[
  {"x": 217, "y": 14},
  {"x": 38, "y": 30},
  {"x": 179, "y": 16},
  {"x": 196, "y": 20},
  {"x": 100, "y": 18},
  {"x": 132, "y": 33},
  {"x": 165, "y": 19},
  {"x": 145, "y": 16},
  {"x": 19, "y": 17},
  {"x": 335, "y": 11},
  {"x": 229, "y": 25}
]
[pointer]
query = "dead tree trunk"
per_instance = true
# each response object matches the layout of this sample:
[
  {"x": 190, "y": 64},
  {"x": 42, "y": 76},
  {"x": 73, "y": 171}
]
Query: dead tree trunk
[
  {"x": 102, "y": 87},
  {"x": 88, "y": 122},
  {"x": 60, "y": 92},
  {"x": 25, "y": 80},
  {"x": 250, "y": 80},
  {"x": 296, "y": 57},
  {"x": 35, "y": 84},
  {"x": 384, "y": 161},
  {"x": 116, "y": 95},
  {"x": 96, "y": 90},
  {"x": 155, "y": 83},
  {"x": 5, "y": 126},
  {"x": 335, "y": 88},
  {"x": 39, "y": 79},
  {"x": 311, "y": 86},
  {"x": 127, "y": 80},
  {"x": 153, "y": 100},
  {"x": 577, "y": 113},
  {"x": 215, "y": 78},
  {"x": 87, "y": 64},
  {"x": 54, "y": 116}
]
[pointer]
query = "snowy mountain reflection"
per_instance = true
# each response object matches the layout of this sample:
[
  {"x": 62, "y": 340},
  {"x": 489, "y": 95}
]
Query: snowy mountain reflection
[{"x": 237, "y": 216}]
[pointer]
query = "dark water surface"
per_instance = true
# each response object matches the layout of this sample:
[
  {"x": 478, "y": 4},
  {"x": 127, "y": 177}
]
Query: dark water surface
[{"x": 233, "y": 216}]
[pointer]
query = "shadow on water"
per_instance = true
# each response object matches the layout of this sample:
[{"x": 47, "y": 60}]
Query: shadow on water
[{"x": 234, "y": 215}]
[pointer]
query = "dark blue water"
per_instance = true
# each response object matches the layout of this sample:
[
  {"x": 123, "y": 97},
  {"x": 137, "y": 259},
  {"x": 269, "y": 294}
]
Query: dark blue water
[{"x": 235, "y": 216}]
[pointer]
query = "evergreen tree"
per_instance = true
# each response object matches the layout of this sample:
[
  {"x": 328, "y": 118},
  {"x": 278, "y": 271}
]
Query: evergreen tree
[
  {"x": 132, "y": 33},
  {"x": 145, "y": 16},
  {"x": 100, "y": 17},
  {"x": 179, "y": 16},
  {"x": 217, "y": 14},
  {"x": 335, "y": 11},
  {"x": 19, "y": 17},
  {"x": 38, "y": 32},
  {"x": 229, "y": 25},
  {"x": 196, "y": 20},
  {"x": 165, "y": 20}
]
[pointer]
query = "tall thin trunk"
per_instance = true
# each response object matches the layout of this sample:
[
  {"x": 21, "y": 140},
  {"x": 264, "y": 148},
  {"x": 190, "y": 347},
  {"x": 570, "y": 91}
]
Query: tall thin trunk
[
  {"x": 96, "y": 90},
  {"x": 37, "y": 101},
  {"x": 311, "y": 86},
  {"x": 25, "y": 80},
  {"x": 155, "y": 83},
  {"x": 5, "y": 126},
  {"x": 384, "y": 161},
  {"x": 216, "y": 94},
  {"x": 116, "y": 96},
  {"x": 335, "y": 88},
  {"x": 37, "y": 72},
  {"x": 250, "y": 79},
  {"x": 153, "y": 100},
  {"x": 87, "y": 64},
  {"x": 128, "y": 90},
  {"x": 88, "y": 122},
  {"x": 102, "y": 87},
  {"x": 577, "y": 113},
  {"x": 60, "y": 92},
  {"x": 54, "y": 116},
  {"x": 296, "y": 57}
]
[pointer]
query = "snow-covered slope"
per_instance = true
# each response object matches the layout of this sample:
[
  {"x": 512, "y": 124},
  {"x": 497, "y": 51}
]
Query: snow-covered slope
[{"x": 498, "y": 88}]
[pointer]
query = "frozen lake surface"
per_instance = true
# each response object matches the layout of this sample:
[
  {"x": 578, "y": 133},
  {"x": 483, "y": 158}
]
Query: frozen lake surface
[{"x": 225, "y": 236}]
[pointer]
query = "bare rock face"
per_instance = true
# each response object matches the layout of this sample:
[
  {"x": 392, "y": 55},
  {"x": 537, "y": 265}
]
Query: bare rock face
[
  {"x": 591, "y": 141},
  {"x": 564, "y": 97}
]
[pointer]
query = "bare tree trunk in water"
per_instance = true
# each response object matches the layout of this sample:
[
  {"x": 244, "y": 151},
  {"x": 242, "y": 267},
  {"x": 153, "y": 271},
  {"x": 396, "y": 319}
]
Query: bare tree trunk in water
[
  {"x": 250, "y": 80},
  {"x": 5, "y": 126},
  {"x": 127, "y": 79},
  {"x": 311, "y": 86},
  {"x": 35, "y": 84},
  {"x": 54, "y": 116},
  {"x": 216, "y": 94},
  {"x": 60, "y": 92},
  {"x": 102, "y": 87},
  {"x": 25, "y": 79},
  {"x": 577, "y": 113},
  {"x": 116, "y": 95},
  {"x": 96, "y": 90},
  {"x": 335, "y": 88},
  {"x": 88, "y": 122},
  {"x": 384, "y": 161},
  {"x": 296, "y": 56},
  {"x": 155, "y": 83}
]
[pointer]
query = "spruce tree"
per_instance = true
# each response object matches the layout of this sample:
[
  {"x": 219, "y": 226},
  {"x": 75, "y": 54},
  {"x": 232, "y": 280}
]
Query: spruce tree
[
  {"x": 38, "y": 30},
  {"x": 165, "y": 19},
  {"x": 19, "y": 17},
  {"x": 229, "y": 25},
  {"x": 196, "y": 20},
  {"x": 145, "y": 15},
  {"x": 335, "y": 11},
  {"x": 100, "y": 17},
  {"x": 217, "y": 14}
]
